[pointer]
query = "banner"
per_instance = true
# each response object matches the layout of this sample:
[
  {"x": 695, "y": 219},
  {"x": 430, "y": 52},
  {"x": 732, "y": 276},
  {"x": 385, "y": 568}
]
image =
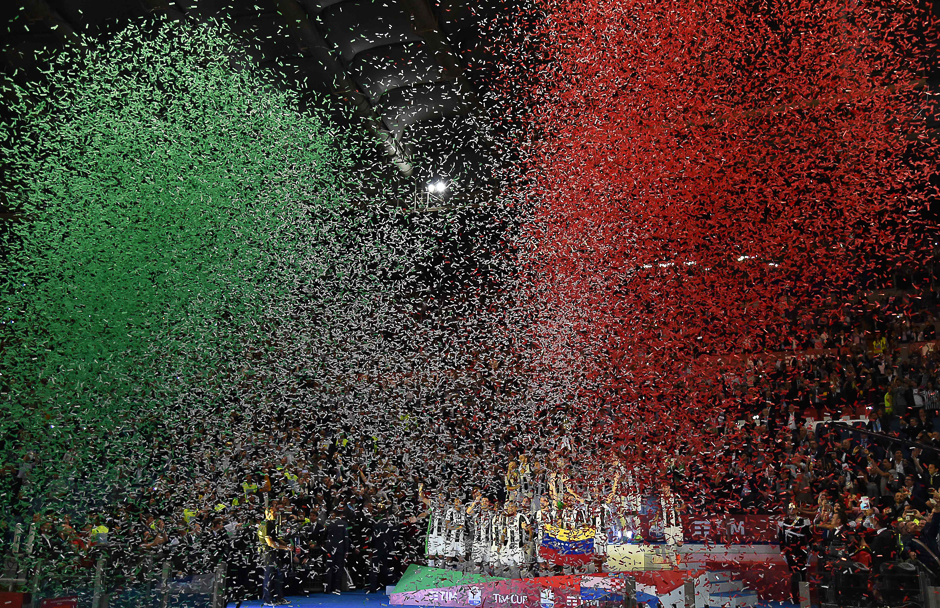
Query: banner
[
  {"x": 60, "y": 602},
  {"x": 730, "y": 529},
  {"x": 567, "y": 547},
  {"x": 566, "y": 591}
]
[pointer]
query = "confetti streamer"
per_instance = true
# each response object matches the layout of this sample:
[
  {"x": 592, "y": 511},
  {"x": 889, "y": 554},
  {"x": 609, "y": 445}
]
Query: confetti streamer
[
  {"x": 210, "y": 299},
  {"x": 696, "y": 174}
]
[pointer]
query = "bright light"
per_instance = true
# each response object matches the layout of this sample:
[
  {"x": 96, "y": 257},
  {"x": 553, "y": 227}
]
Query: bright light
[{"x": 438, "y": 186}]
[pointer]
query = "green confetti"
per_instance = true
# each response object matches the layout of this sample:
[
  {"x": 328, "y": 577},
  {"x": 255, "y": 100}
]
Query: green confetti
[{"x": 179, "y": 211}]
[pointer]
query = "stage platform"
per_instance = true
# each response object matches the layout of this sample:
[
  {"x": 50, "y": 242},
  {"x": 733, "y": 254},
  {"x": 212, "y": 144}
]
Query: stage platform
[
  {"x": 350, "y": 599},
  {"x": 359, "y": 599}
]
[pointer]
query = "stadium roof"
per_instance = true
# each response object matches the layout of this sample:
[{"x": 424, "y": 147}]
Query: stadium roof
[{"x": 413, "y": 70}]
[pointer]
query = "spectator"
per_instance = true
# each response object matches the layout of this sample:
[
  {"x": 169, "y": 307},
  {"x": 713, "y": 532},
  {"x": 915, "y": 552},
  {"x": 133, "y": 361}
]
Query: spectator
[{"x": 918, "y": 538}]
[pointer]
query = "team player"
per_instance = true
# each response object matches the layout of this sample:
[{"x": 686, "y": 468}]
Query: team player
[
  {"x": 481, "y": 516},
  {"x": 513, "y": 481},
  {"x": 545, "y": 515},
  {"x": 558, "y": 481},
  {"x": 671, "y": 505},
  {"x": 526, "y": 480},
  {"x": 585, "y": 511},
  {"x": 435, "y": 549},
  {"x": 539, "y": 478},
  {"x": 632, "y": 504},
  {"x": 603, "y": 517},
  {"x": 455, "y": 534},
  {"x": 572, "y": 514},
  {"x": 511, "y": 531},
  {"x": 496, "y": 525}
]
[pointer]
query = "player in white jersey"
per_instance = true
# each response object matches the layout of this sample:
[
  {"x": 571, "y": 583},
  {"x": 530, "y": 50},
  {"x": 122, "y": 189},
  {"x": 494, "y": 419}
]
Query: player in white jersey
[
  {"x": 435, "y": 548},
  {"x": 670, "y": 506},
  {"x": 495, "y": 526},
  {"x": 632, "y": 504},
  {"x": 455, "y": 529},
  {"x": 558, "y": 483},
  {"x": 545, "y": 515},
  {"x": 574, "y": 513},
  {"x": 539, "y": 483},
  {"x": 512, "y": 531},
  {"x": 481, "y": 517},
  {"x": 512, "y": 481},
  {"x": 602, "y": 516},
  {"x": 526, "y": 483}
]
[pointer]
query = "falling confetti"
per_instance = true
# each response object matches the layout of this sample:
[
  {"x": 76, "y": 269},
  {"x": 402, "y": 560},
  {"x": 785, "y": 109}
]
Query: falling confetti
[{"x": 216, "y": 297}]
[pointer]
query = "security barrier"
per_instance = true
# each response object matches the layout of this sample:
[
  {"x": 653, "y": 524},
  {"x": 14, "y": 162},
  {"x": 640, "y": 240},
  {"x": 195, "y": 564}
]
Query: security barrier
[{"x": 152, "y": 585}]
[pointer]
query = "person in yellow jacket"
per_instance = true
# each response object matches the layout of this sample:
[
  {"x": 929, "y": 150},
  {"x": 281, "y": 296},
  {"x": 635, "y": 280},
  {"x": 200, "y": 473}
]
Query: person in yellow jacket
[
  {"x": 293, "y": 480},
  {"x": 249, "y": 486},
  {"x": 879, "y": 345},
  {"x": 99, "y": 534},
  {"x": 889, "y": 397},
  {"x": 270, "y": 545}
]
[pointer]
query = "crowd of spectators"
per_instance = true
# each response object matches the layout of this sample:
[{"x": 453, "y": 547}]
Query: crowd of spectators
[
  {"x": 845, "y": 438},
  {"x": 208, "y": 497},
  {"x": 198, "y": 518}
]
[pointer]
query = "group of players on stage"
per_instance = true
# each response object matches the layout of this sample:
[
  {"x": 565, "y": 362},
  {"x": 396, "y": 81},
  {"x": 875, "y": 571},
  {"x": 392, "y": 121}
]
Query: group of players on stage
[{"x": 483, "y": 537}]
